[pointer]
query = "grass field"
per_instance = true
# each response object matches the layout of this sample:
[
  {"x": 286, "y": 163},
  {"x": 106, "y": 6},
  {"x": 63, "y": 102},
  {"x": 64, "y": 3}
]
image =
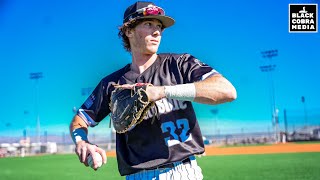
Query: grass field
[{"x": 291, "y": 166}]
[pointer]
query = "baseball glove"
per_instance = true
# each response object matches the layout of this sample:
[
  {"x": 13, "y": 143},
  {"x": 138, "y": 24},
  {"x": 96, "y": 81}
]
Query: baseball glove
[{"x": 129, "y": 106}]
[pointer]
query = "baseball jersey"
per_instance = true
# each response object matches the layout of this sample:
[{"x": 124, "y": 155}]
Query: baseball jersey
[{"x": 174, "y": 134}]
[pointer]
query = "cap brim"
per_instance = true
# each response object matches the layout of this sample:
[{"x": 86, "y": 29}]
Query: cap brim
[{"x": 165, "y": 20}]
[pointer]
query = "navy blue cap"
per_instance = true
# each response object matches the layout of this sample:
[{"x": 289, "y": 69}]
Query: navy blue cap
[{"x": 147, "y": 10}]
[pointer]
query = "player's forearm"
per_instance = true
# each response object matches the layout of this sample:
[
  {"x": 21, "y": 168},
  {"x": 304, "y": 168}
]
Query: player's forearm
[
  {"x": 78, "y": 129},
  {"x": 214, "y": 90}
]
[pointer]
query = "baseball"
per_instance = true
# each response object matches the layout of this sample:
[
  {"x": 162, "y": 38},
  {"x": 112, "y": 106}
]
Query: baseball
[{"x": 98, "y": 160}]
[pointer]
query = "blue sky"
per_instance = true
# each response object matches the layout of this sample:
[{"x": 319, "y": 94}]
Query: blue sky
[{"x": 75, "y": 44}]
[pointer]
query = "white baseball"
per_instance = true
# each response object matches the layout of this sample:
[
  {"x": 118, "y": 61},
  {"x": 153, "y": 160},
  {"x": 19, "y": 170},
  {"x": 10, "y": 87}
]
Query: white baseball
[{"x": 98, "y": 160}]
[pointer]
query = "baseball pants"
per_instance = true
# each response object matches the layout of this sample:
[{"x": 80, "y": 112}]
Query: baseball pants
[{"x": 180, "y": 170}]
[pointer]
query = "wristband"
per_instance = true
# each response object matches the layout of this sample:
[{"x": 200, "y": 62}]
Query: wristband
[
  {"x": 186, "y": 92},
  {"x": 79, "y": 135}
]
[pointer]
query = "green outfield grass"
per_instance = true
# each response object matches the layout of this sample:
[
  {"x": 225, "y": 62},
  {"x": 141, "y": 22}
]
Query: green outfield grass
[{"x": 293, "y": 166}]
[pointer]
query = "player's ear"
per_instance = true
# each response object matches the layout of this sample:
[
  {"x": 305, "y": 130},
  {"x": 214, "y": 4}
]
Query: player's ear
[{"x": 129, "y": 32}]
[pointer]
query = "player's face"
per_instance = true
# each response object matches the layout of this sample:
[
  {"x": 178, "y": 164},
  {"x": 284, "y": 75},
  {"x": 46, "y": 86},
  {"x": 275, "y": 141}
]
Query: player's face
[{"x": 146, "y": 36}]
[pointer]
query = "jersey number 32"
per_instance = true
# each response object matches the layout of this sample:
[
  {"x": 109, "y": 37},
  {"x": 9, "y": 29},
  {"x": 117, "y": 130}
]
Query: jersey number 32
[{"x": 174, "y": 138}]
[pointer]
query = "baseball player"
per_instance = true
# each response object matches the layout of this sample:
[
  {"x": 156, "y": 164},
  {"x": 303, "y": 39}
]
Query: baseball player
[{"x": 163, "y": 145}]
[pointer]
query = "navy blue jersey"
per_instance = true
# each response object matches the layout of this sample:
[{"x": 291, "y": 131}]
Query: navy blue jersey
[{"x": 174, "y": 135}]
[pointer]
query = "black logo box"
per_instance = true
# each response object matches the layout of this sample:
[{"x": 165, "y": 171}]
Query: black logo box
[{"x": 310, "y": 8}]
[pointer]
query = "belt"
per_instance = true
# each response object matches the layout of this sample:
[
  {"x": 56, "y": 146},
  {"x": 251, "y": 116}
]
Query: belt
[{"x": 172, "y": 165}]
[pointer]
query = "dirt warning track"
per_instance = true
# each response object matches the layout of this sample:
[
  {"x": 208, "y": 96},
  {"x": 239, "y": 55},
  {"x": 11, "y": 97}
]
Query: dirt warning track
[{"x": 263, "y": 149}]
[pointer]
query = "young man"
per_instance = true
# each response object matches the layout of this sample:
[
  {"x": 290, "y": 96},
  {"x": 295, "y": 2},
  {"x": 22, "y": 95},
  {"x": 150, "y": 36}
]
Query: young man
[{"x": 163, "y": 148}]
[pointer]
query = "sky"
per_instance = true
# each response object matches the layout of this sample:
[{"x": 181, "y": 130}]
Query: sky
[{"x": 75, "y": 44}]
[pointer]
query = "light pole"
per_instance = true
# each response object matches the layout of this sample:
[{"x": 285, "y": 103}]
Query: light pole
[
  {"x": 25, "y": 131},
  {"x": 285, "y": 124},
  {"x": 215, "y": 112},
  {"x": 36, "y": 76},
  {"x": 303, "y": 100},
  {"x": 269, "y": 67}
]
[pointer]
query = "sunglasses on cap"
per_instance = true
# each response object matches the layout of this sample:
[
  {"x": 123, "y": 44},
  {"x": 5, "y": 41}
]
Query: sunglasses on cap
[
  {"x": 151, "y": 10},
  {"x": 146, "y": 11}
]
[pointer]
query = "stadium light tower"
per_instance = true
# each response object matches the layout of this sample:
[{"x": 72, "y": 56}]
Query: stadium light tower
[
  {"x": 215, "y": 113},
  {"x": 269, "y": 67},
  {"x": 36, "y": 76},
  {"x": 303, "y": 100}
]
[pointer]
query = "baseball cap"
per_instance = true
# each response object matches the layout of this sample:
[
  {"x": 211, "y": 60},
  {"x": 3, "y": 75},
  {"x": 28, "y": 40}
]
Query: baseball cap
[{"x": 147, "y": 10}]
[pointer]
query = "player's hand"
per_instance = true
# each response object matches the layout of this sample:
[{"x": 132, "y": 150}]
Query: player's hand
[
  {"x": 83, "y": 149},
  {"x": 154, "y": 92}
]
